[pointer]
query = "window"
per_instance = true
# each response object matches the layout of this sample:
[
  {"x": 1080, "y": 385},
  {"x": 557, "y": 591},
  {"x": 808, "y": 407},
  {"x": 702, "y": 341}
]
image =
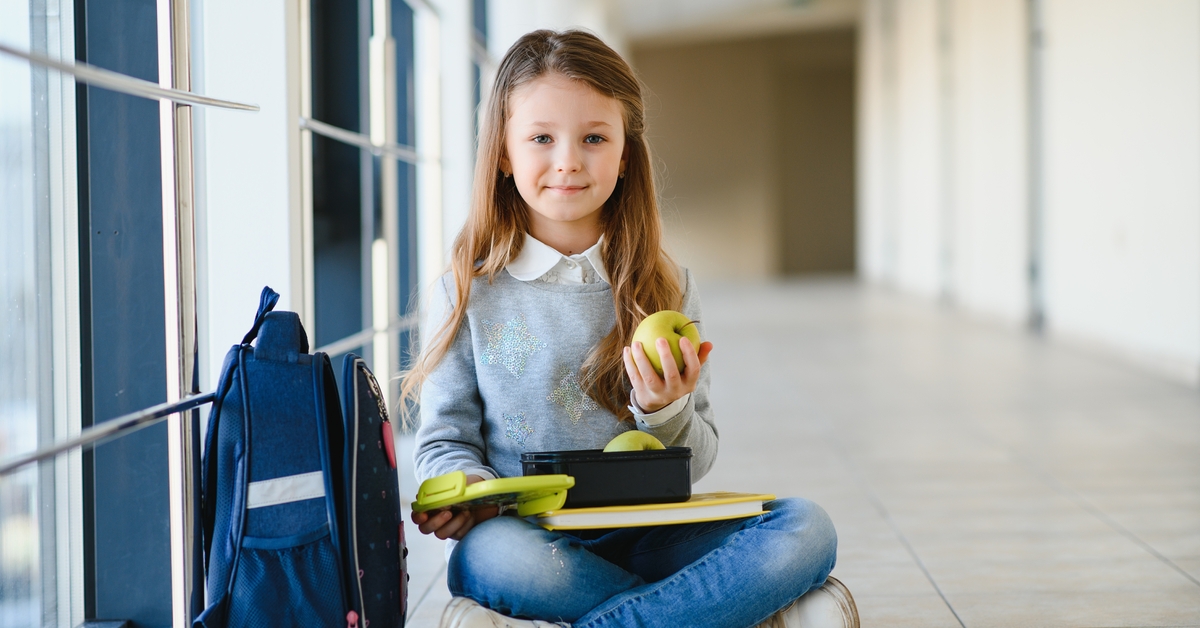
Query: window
[
  {"x": 37, "y": 203},
  {"x": 361, "y": 129},
  {"x": 85, "y": 293}
]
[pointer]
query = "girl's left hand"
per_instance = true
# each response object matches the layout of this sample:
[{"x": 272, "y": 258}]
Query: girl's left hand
[
  {"x": 447, "y": 524},
  {"x": 654, "y": 392}
]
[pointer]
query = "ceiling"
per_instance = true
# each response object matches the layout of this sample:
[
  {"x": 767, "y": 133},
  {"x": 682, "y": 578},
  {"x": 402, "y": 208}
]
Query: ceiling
[{"x": 670, "y": 22}]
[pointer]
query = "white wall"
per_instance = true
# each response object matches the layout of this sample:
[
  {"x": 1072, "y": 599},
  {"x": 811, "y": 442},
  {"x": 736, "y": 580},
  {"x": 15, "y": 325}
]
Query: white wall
[
  {"x": 918, "y": 141},
  {"x": 903, "y": 193},
  {"x": 244, "y": 163},
  {"x": 876, "y": 191},
  {"x": 989, "y": 199},
  {"x": 945, "y": 167},
  {"x": 1123, "y": 175},
  {"x": 943, "y": 154}
]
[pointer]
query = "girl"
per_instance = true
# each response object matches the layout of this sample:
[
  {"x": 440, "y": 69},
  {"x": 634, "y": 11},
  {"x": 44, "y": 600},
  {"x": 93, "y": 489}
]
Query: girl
[{"x": 558, "y": 262}]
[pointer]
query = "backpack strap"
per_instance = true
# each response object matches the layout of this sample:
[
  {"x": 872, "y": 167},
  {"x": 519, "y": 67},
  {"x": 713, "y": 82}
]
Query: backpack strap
[
  {"x": 208, "y": 477},
  {"x": 266, "y": 303},
  {"x": 329, "y": 423},
  {"x": 241, "y": 474}
]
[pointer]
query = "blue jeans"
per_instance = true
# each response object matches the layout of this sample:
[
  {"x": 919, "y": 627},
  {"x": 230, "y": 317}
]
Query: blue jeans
[{"x": 724, "y": 573}]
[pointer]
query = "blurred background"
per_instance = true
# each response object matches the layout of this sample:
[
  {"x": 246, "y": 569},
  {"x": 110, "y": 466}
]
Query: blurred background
[{"x": 1034, "y": 164}]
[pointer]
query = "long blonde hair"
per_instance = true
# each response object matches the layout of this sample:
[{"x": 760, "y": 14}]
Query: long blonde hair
[{"x": 644, "y": 279}]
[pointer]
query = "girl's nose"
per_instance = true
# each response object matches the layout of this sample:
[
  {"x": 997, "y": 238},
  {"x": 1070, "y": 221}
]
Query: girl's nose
[{"x": 567, "y": 160}]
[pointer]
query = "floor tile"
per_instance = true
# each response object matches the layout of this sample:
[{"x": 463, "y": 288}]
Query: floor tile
[
  {"x": 870, "y": 576},
  {"x": 1173, "y": 544},
  {"x": 979, "y": 525},
  {"x": 1179, "y": 606},
  {"x": 904, "y": 611},
  {"x": 1191, "y": 565},
  {"x": 429, "y": 611},
  {"x": 1050, "y": 575},
  {"x": 1031, "y": 546}
]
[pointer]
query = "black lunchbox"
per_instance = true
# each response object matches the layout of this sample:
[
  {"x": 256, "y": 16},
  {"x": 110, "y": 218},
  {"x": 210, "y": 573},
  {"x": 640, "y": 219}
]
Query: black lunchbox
[{"x": 618, "y": 478}]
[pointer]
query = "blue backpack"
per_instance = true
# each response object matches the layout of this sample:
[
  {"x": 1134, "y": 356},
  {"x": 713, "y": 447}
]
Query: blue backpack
[{"x": 300, "y": 494}]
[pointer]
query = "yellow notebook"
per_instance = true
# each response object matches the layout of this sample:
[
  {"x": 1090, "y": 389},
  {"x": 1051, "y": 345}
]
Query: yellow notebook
[{"x": 701, "y": 507}]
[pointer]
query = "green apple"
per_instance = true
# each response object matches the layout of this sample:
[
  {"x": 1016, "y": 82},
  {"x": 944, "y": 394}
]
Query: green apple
[
  {"x": 633, "y": 440},
  {"x": 667, "y": 324}
]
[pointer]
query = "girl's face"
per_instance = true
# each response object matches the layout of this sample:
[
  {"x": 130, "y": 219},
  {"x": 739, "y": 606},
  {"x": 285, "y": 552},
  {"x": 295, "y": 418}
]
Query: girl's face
[{"x": 565, "y": 145}]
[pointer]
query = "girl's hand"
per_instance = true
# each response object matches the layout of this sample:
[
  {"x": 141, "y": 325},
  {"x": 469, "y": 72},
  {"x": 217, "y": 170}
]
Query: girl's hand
[
  {"x": 447, "y": 524},
  {"x": 654, "y": 392}
]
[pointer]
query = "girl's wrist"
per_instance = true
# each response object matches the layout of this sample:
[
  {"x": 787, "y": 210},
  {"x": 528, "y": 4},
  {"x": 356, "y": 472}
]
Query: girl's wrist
[
  {"x": 662, "y": 415},
  {"x": 643, "y": 409}
]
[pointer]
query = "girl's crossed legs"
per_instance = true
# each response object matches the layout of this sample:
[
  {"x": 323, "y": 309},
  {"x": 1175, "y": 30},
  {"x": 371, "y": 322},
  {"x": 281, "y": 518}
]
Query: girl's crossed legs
[{"x": 724, "y": 573}]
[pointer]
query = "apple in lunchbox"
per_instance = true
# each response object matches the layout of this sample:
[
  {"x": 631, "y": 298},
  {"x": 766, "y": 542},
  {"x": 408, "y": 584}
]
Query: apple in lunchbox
[
  {"x": 667, "y": 324},
  {"x": 633, "y": 440}
]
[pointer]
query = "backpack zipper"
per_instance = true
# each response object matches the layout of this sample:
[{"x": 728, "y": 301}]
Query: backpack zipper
[{"x": 354, "y": 516}]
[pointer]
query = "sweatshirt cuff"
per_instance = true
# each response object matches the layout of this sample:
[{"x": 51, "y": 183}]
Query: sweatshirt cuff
[
  {"x": 660, "y": 416},
  {"x": 486, "y": 474}
]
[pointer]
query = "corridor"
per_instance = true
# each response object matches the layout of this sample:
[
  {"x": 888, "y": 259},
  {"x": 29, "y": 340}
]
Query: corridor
[{"x": 978, "y": 475}]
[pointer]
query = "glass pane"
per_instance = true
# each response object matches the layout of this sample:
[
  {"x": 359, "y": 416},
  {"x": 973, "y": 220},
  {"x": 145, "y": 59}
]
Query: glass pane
[
  {"x": 337, "y": 239},
  {"x": 342, "y": 174},
  {"x": 406, "y": 238},
  {"x": 36, "y": 180},
  {"x": 20, "y": 331}
]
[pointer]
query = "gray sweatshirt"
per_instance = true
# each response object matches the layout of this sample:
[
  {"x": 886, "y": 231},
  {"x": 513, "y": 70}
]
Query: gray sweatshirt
[{"x": 510, "y": 381}]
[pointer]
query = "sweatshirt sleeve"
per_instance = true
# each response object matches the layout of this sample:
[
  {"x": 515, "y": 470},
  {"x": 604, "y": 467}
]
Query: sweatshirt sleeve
[
  {"x": 450, "y": 437},
  {"x": 694, "y": 425}
]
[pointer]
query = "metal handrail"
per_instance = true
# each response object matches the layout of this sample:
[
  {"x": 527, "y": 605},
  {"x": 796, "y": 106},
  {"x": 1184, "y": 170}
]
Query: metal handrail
[
  {"x": 399, "y": 151},
  {"x": 134, "y": 421},
  {"x": 360, "y": 338},
  {"x": 122, "y": 83},
  {"x": 113, "y": 428}
]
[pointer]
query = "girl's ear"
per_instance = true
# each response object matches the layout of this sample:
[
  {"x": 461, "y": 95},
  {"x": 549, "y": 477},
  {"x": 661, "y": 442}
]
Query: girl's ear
[{"x": 505, "y": 167}]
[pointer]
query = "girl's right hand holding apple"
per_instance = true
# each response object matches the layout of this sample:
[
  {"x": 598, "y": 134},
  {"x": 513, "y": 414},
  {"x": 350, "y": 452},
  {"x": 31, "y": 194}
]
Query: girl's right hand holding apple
[
  {"x": 448, "y": 524},
  {"x": 653, "y": 391}
]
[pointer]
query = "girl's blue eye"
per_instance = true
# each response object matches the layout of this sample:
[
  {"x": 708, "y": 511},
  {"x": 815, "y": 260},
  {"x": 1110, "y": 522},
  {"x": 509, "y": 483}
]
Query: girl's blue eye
[
  {"x": 541, "y": 139},
  {"x": 593, "y": 139}
]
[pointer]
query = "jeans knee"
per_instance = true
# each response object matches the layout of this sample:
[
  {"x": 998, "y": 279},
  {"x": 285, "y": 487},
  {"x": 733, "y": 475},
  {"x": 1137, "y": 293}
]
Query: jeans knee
[
  {"x": 488, "y": 552},
  {"x": 500, "y": 554},
  {"x": 813, "y": 531}
]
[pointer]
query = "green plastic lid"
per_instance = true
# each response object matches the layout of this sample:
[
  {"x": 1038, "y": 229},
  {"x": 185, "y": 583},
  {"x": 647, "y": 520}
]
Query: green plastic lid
[{"x": 533, "y": 494}]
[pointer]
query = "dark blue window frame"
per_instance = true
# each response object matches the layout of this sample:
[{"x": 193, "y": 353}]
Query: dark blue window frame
[
  {"x": 123, "y": 331},
  {"x": 341, "y": 184},
  {"x": 403, "y": 23}
]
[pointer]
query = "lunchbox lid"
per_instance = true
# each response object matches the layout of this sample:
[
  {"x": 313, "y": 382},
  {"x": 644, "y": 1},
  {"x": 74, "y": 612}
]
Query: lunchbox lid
[{"x": 599, "y": 455}]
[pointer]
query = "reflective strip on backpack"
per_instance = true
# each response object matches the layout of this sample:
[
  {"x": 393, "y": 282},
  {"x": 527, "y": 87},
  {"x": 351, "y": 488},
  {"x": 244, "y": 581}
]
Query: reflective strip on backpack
[{"x": 292, "y": 488}]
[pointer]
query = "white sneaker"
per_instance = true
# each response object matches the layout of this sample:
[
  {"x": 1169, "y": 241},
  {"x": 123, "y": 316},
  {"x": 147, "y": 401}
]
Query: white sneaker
[
  {"x": 463, "y": 612},
  {"x": 830, "y": 606}
]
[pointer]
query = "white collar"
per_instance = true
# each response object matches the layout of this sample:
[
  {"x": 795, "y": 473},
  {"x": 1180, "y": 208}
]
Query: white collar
[{"x": 537, "y": 258}]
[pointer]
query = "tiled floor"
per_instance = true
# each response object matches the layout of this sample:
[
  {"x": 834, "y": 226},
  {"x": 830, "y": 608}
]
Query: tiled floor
[{"x": 978, "y": 475}]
